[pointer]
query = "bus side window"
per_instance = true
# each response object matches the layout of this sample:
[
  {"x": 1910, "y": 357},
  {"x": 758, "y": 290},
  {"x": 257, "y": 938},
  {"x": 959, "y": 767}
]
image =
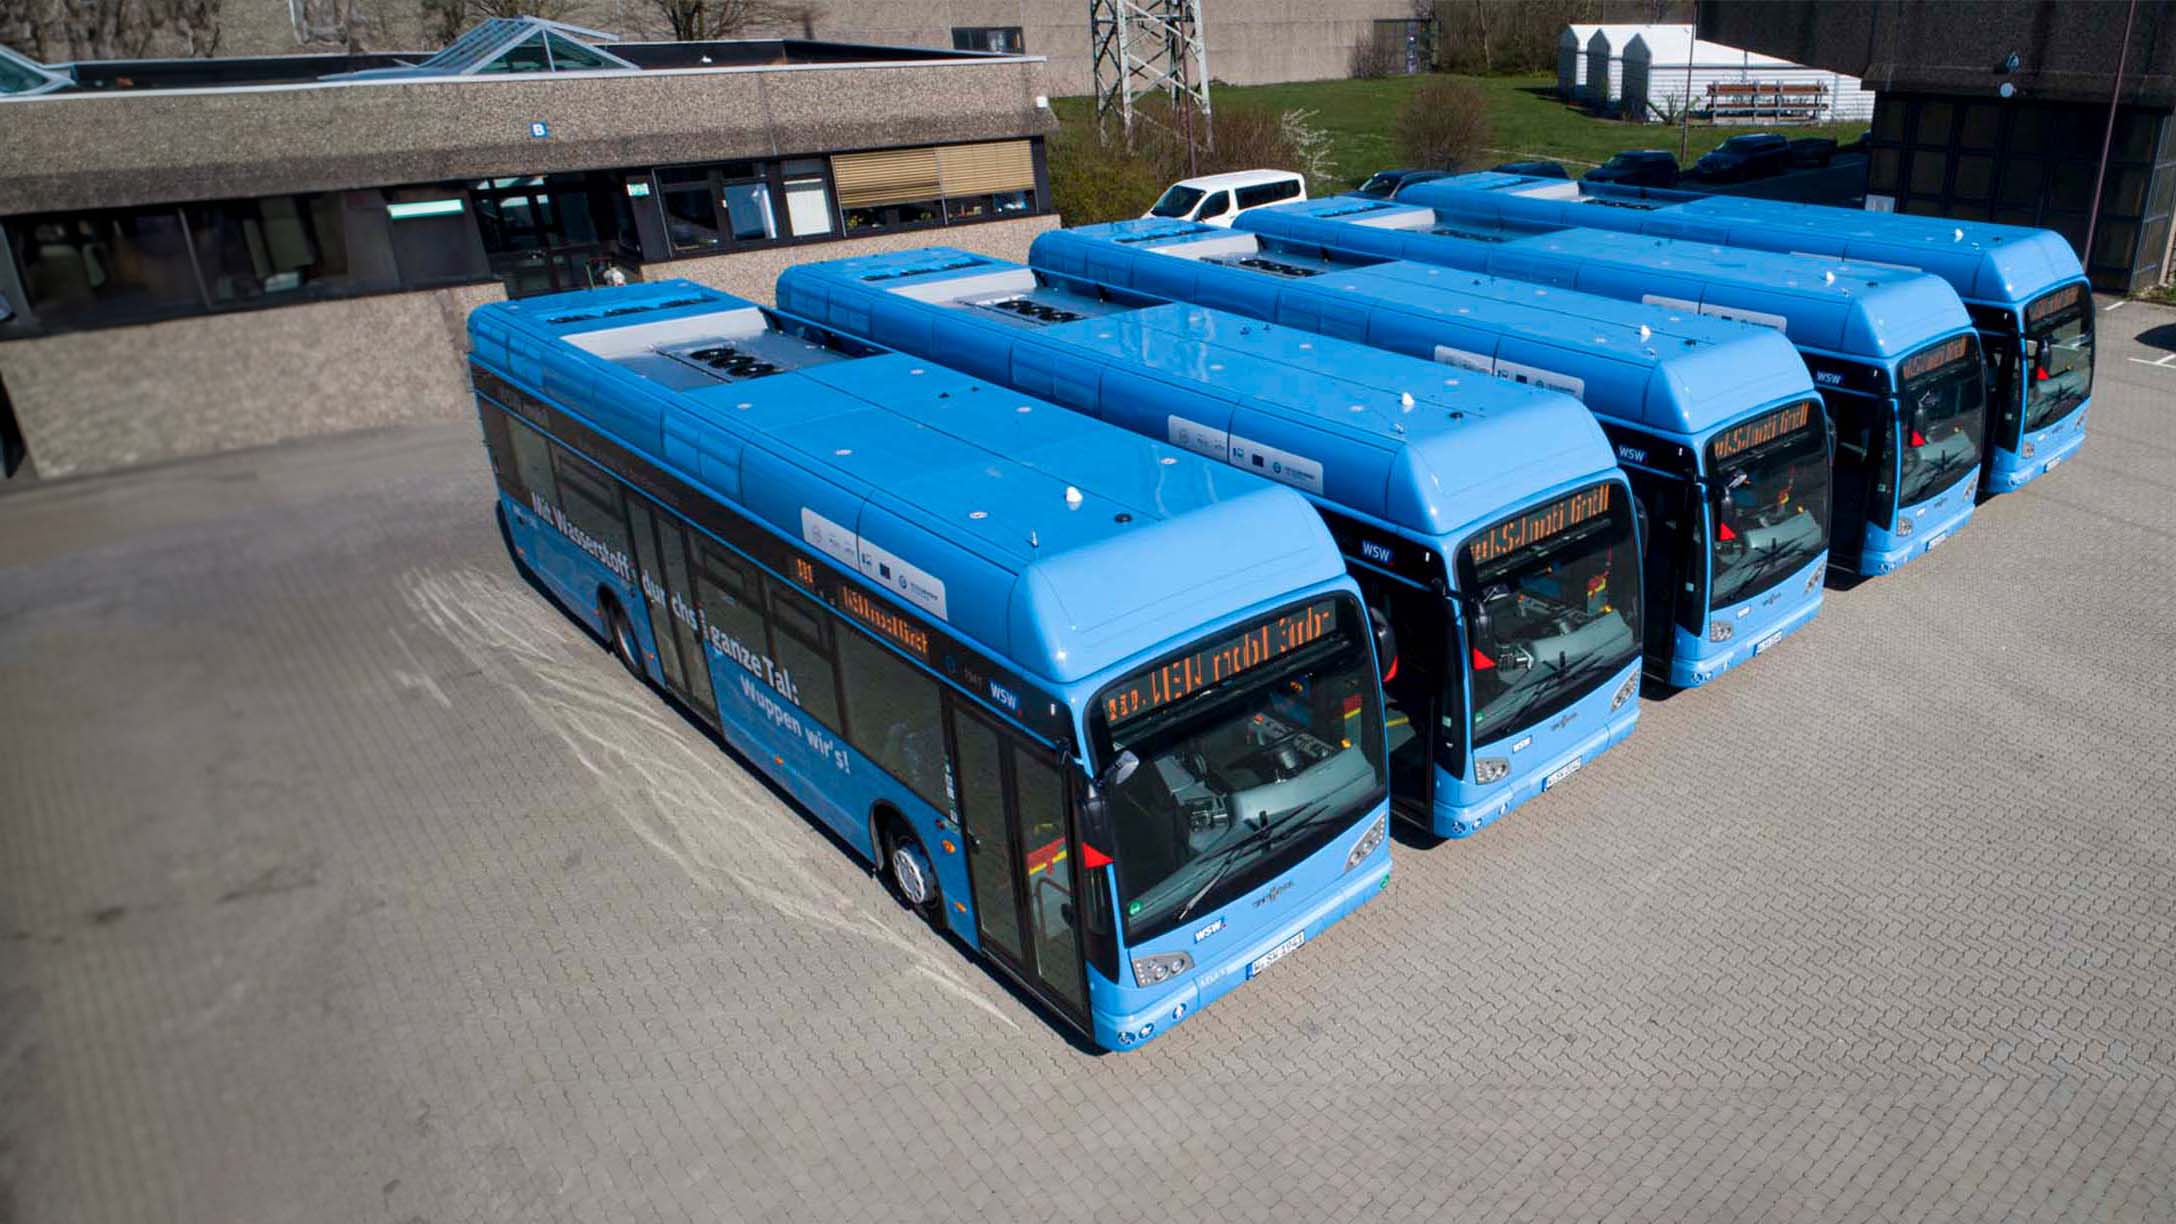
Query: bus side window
[
  {"x": 732, "y": 595},
  {"x": 892, "y": 715},
  {"x": 499, "y": 443},
  {"x": 533, "y": 464},
  {"x": 801, "y": 646},
  {"x": 590, "y": 499}
]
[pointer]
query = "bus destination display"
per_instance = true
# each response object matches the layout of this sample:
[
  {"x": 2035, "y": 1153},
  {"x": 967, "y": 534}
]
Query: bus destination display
[
  {"x": 1219, "y": 661},
  {"x": 1761, "y": 430},
  {"x": 1535, "y": 526},
  {"x": 2054, "y": 303},
  {"x": 1937, "y": 357}
]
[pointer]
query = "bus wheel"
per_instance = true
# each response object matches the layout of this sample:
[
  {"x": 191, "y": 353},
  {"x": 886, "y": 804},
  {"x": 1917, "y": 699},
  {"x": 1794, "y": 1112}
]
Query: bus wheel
[
  {"x": 907, "y": 871},
  {"x": 622, "y": 633}
]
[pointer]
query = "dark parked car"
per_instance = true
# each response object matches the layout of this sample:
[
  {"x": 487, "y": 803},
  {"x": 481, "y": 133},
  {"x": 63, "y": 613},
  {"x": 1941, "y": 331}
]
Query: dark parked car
[
  {"x": 1636, "y": 168},
  {"x": 1812, "y": 151},
  {"x": 1536, "y": 169},
  {"x": 1385, "y": 183},
  {"x": 1744, "y": 157}
]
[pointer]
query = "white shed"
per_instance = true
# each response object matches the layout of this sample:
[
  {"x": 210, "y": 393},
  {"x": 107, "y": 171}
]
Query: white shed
[
  {"x": 1662, "y": 68},
  {"x": 1605, "y": 59},
  {"x": 1571, "y": 62}
]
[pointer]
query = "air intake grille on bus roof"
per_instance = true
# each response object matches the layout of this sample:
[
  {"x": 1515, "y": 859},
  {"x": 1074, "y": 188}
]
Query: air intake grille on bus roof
[
  {"x": 731, "y": 362},
  {"x": 1029, "y": 308},
  {"x": 1275, "y": 267}
]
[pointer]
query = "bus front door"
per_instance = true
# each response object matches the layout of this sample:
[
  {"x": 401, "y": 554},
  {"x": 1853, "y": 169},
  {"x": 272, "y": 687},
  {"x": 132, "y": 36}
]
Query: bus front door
[
  {"x": 1020, "y": 868},
  {"x": 661, "y": 549}
]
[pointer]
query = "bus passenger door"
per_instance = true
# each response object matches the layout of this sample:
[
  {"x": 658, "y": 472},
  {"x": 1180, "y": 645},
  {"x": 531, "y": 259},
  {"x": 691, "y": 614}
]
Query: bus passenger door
[
  {"x": 1673, "y": 560},
  {"x": 1412, "y": 663},
  {"x": 1856, "y": 449},
  {"x": 661, "y": 549},
  {"x": 1020, "y": 865}
]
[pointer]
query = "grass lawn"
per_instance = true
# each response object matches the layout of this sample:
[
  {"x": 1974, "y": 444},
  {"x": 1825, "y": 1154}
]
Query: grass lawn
[{"x": 1529, "y": 121}]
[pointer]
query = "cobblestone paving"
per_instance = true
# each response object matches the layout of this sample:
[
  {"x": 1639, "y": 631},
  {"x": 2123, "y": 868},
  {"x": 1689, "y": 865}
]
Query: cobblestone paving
[{"x": 343, "y": 879}]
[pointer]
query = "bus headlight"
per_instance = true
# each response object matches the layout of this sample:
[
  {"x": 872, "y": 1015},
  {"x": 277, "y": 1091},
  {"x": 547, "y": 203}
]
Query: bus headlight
[
  {"x": 1813, "y": 580},
  {"x": 1490, "y": 769},
  {"x": 1624, "y": 692},
  {"x": 1721, "y": 631},
  {"x": 1903, "y": 526},
  {"x": 1368, "y": 841},
  {"x": 1149, "y": 970}
]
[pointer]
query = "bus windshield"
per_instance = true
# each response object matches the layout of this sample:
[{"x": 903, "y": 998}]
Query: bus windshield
[
  {"x": 1943, "y": 409},
  {"x": 2058, "y": 354},
  {"x": 1556, "y": 606},
  {"x": 1771, "y": 490},
  {"x": 1177, "y": 201},
  {"x": 1254, "y": 749}
]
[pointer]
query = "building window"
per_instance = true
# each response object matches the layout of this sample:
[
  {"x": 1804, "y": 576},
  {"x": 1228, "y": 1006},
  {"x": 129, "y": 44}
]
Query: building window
[
  {"x": 434, "y": 240},
  {"x": 282, "y": 246},
  {"x": 710, "y": 207},
  {"x": 124, "y": 265},
  {"x": 808, "y": 197},
  {"x": 1005, "y": 39}
]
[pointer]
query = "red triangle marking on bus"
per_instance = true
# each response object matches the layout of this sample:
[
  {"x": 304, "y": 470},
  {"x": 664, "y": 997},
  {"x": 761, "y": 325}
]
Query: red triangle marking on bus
[
  {"x": 1482, "y": 662},
  {"x": 1092, "y": 858}
]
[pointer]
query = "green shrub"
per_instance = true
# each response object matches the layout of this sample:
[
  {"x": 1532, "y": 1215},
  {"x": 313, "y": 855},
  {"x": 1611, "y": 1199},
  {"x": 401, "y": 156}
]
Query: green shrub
[{"x": 1443, "y": 126}]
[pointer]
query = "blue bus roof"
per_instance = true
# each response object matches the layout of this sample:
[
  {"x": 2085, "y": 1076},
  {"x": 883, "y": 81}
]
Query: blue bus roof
[
  {"x": 1667, "y": 370},
  {"x": 1867, "y": 313},
  {"x": 1984, "y": 262},
  {"x": 1407, "y": 442},
  {"x": 1057, "y": 541}
]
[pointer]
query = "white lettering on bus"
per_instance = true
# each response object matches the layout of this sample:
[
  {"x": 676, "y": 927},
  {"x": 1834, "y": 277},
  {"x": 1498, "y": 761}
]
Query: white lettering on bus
[
  {"x": 611, "y": 558},
  {"x": 788, "y": 721}
]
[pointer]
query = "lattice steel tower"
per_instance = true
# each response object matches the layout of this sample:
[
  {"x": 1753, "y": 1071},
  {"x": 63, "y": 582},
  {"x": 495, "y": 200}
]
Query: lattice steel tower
[{"x": 1142, "y": 47}]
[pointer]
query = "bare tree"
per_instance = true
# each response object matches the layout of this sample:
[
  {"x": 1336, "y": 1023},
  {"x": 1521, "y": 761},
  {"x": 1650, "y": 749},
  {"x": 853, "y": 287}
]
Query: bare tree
[
  {"x": 695, "y": 20},
  {"x": 112, "y": 29}
]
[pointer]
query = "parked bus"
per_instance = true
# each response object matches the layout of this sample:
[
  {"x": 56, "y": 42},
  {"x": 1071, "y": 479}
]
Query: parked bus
[
  {"x": 1716, "y": 423},
  {"x": 2022, "y": 286},
  {"x": 1893, "y": 353},
  {"x": 1102, "y": 709},
  {"x": 1489, "y": 527}
]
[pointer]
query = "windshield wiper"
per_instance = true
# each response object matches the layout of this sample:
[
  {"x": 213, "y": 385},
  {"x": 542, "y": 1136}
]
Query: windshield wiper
[
  {"x": 1271, "y": 834},
  {"x": 1230, "y": 859}
]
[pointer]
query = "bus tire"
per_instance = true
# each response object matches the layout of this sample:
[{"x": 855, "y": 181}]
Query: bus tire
[
  {"x": 620, "y": 634},
  {"x": 906, "y": 869}
]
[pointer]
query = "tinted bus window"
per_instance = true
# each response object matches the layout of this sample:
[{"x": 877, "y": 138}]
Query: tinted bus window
[
  {"x": 891, "y": 714},
  {"x": 801, "y": 649}
]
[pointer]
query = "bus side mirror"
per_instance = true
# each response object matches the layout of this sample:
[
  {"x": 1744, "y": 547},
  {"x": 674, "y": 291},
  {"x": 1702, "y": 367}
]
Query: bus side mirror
[
  {"x": 1095, "y": 804},
  {"x": 1386, "y": 639},
  {"x": 1484, "y": 629}
]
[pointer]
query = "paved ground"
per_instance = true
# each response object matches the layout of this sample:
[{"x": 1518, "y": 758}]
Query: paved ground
[{"x": 340, "y": 879}]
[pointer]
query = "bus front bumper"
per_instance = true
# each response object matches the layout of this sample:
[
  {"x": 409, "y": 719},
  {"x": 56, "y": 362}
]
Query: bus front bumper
[
  {"x": 1931, "y": 523},
  {"x": 1532, "y": 776},
  {"x": 1210, "y": 983},
  {"x": 1753, "y": 632},
  {"x": 2038, "y": 454}
]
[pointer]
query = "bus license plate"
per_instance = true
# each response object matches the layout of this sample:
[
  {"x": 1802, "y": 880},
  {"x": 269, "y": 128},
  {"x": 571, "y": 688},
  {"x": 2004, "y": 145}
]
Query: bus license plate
[
  {"x": 1561, "y": 774},
  {"x": 1762, "y": 646},
  {"x": 1935, "y": 541},
  {"x": 1278, "y": 953}
]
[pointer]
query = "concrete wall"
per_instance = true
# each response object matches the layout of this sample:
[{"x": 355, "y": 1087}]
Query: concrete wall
[
  {"x": 115, "y": 149},
  {"x": 1251, "y": 42},
  {"x": 96, "y": 400}
]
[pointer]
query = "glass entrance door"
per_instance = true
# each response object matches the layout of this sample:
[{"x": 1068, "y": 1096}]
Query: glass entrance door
[
  {"x": 661, "y": 549},
  {"x": 1020, "y": 865}
]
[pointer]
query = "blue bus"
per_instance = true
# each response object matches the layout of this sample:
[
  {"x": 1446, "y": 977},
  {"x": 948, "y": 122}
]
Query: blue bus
[
  {"x": 2022, "y": 286},
  {"x": 1104, "y": 710},
  {"x": 1488, "y": 525},
  {"x": 1893, "y": 353},
  {"x": 1716, "y": 424}
]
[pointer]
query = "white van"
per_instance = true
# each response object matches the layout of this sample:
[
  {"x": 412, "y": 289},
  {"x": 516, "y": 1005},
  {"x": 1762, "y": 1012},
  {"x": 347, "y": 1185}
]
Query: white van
[{"x": 1214, "y": 199}]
